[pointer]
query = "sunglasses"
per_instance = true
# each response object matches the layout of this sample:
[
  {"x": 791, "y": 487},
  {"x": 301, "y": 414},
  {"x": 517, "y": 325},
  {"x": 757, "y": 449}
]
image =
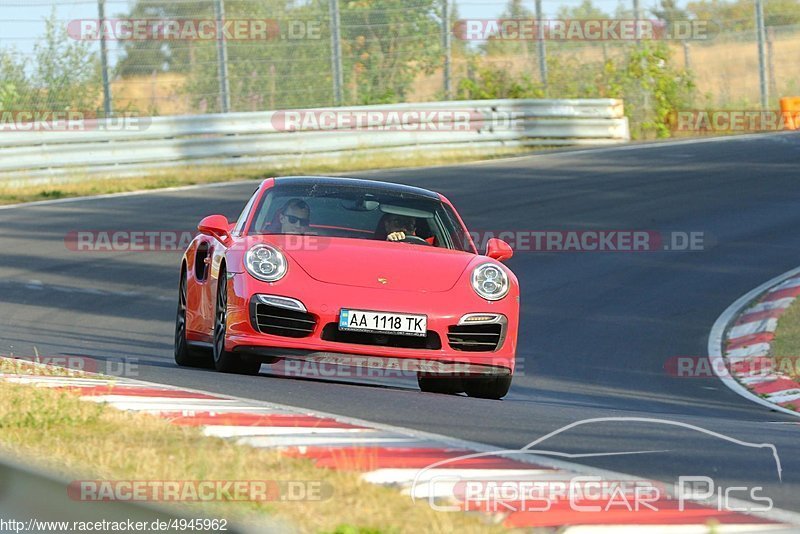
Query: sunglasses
[{"x": 294, "y": 220}]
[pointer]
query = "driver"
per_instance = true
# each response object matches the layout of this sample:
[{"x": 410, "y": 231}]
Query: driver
[
  {"x": 399, "y": 226},
  {"x": 292, "y": 218}
]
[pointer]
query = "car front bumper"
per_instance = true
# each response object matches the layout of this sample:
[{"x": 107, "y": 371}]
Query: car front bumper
[{"x": 323, "y": 342}]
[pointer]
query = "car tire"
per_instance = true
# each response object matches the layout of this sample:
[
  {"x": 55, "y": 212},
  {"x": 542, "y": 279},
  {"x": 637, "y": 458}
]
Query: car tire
[
  {"x": 225, "y": 361},
  {"x": 445, "y": 384},
  {"x": 185, "y": 356},
  {"x": 492, "y": 387}
]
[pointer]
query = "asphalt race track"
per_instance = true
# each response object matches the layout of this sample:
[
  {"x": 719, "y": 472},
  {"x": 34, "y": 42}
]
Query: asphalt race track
[{"x": 596, "y": 328}]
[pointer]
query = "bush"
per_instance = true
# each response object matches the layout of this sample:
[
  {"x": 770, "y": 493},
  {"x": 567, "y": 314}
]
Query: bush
[{"x": 643, "y": 77}]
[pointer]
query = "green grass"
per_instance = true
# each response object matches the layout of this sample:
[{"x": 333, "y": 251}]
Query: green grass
[{"x": 786, "y": 345}]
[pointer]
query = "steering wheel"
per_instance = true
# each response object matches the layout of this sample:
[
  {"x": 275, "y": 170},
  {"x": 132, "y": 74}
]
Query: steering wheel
[{"x": 416, "y": 240}]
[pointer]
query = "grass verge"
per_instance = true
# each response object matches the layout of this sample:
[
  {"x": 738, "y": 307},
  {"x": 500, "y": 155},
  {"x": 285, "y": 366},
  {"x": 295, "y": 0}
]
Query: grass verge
[
  {"x": 76, "y": 185},
  {"x": 786, "y": 344},
  {"x": 77, "y": 438}
]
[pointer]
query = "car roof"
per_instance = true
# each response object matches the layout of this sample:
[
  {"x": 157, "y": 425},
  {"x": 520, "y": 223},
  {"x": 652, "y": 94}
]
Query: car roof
[{"x": 355, "y": 182}]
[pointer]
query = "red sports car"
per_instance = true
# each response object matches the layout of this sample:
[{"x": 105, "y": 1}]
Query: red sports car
[{"x": 350, "y": 272}]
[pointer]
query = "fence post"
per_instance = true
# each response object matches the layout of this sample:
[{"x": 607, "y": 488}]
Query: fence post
[
  {"x": 446, "y": 42},
  {"x": 762, "y": 63},
  {"x": 541, "y": 46},
  {"x": 101, "y": 11},
  {"x": 222, "y": 58},
  {"x": 770, "y": 64},
  {"x": 336, "y": 52}
]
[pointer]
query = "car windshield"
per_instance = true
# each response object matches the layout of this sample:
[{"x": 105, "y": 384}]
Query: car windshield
[{"x": 357, "y": 213}]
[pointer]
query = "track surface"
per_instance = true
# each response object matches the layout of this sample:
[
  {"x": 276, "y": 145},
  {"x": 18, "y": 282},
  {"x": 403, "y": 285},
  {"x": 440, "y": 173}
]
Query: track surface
[{"x": 597, "y": 328}]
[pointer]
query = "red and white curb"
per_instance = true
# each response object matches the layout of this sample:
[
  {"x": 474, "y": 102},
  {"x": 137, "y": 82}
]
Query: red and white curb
[
  {"x": 401, "y": 458},
  {"x": 739, "y": 345}
]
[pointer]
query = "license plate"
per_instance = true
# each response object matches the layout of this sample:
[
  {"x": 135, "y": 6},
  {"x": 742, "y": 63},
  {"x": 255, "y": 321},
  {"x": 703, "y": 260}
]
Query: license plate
[{"x": 383, "y": 322}]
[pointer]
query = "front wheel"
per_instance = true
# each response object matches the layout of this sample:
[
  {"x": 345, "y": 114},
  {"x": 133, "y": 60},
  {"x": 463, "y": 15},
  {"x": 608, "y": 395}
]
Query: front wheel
[
  {"x": 225, "y": 361},
  {"x": 490, "y": 387}
]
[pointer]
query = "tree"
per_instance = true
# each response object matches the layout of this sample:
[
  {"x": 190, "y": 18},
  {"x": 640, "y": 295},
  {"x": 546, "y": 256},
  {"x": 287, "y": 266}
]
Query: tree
[
  {"x": 514, "y": 10},
  {"x": 154, "y": 55},
  {"x": 385, "y": 44},
  {"x": 740, "y": 15},
  {"x": 64, "y": 74},
  {"x": 14, "y": 84},
  {"x": 67, "y": 72},
  {"x": 586, "y": 10},
  {"x": 669, "y": 11}
]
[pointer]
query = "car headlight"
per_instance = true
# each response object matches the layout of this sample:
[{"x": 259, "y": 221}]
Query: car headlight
[
  {"x": 490, "y": 281},
  {"x": 265, "y": 263}
]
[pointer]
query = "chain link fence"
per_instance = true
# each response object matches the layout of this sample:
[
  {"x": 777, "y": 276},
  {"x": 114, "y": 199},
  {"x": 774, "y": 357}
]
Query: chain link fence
[{"x": 160, "y": 57}]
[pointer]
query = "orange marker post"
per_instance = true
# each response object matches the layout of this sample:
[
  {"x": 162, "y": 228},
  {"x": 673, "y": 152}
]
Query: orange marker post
[{"x": 790, "y": 109}]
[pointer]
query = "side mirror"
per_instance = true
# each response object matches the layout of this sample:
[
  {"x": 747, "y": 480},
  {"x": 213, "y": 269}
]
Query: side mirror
[
  {"x": 498, "y": 249},
  {"x": 216, "y": 226}
]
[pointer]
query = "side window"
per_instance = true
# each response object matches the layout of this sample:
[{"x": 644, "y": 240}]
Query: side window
[
  {"x": 200, "y": 265},
  {"x": 261, "y": 222},
  {"x": 239, "y": 229},
  {"x": 460, "y": 238}
]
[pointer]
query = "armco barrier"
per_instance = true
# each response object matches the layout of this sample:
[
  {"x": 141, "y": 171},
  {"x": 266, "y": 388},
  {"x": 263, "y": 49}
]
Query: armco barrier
[
  {"x": 248, "y": 138},
  {"x": 38, "y": 502}
]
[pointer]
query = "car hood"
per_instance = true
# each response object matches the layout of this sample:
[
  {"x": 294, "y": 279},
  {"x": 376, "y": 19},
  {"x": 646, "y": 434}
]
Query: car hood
[{"x": 380, "y": 264}]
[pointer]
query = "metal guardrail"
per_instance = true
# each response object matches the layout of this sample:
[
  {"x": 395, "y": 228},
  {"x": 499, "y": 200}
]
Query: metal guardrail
[
  {"x": 261, "y": 137},
  {"x": 38, "y": 502}
]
